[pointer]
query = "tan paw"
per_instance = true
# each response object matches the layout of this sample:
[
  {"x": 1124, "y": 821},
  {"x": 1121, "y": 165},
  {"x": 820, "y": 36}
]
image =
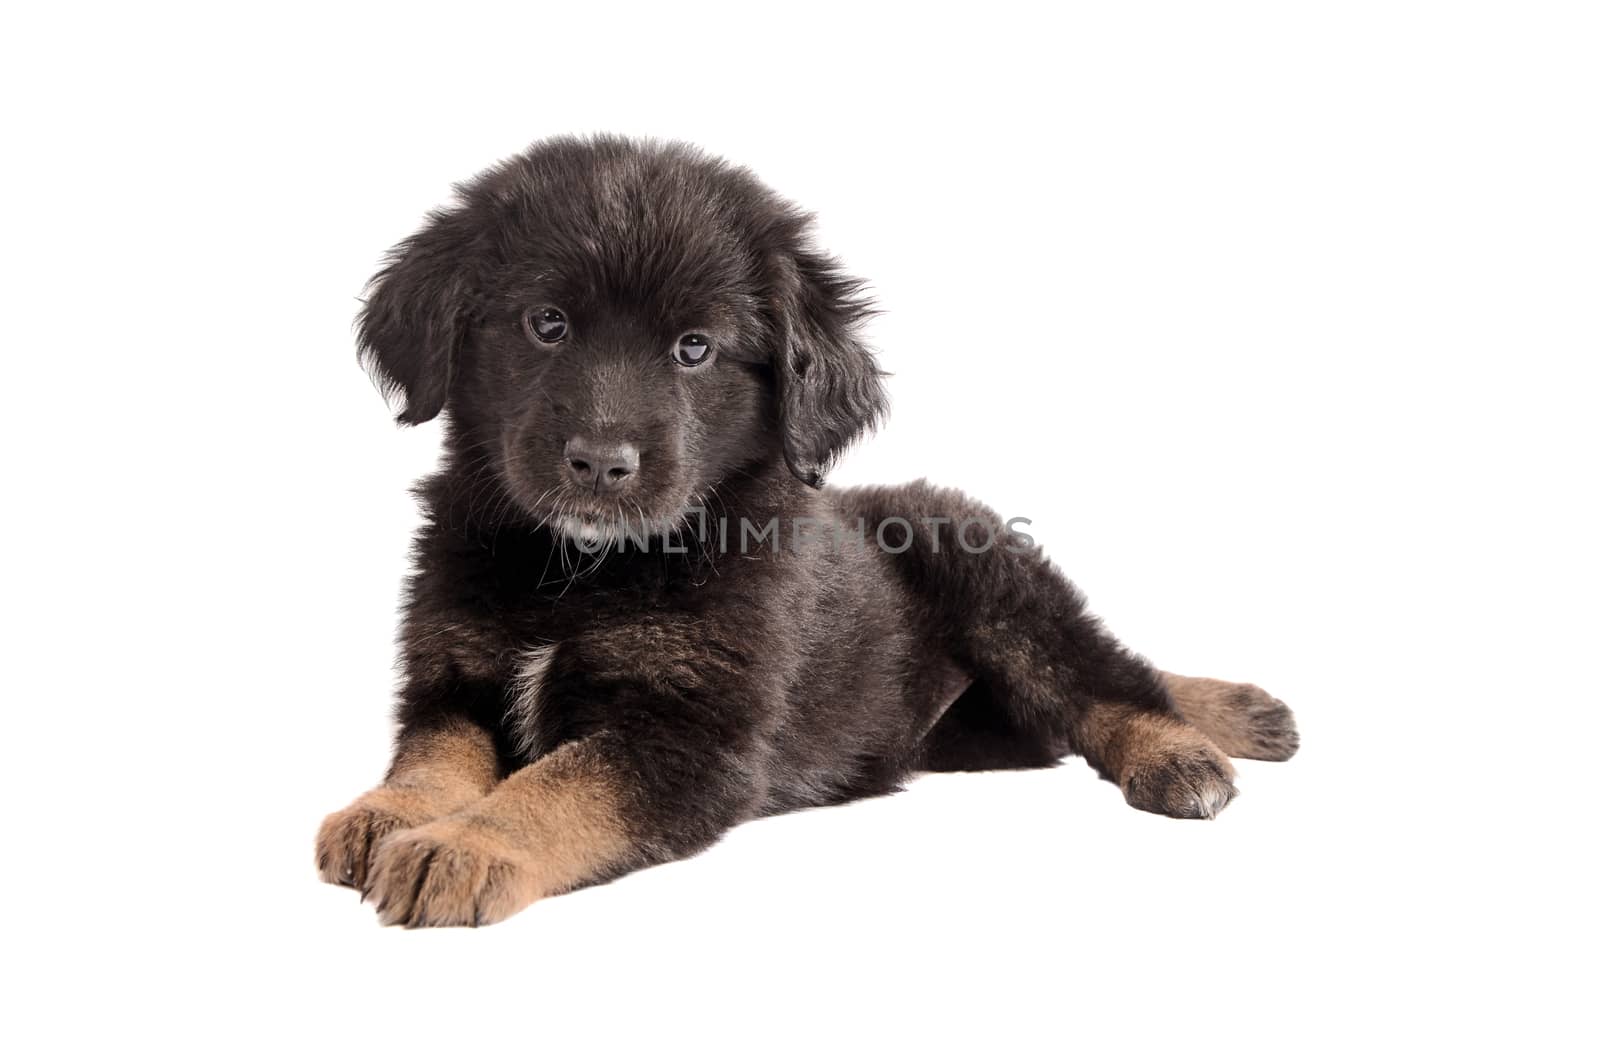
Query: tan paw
[
  {"x": 452, "y": 872},
  {"x": 1174, "y": 770},
  {"x": 1243, "y": 720},
  {"x": 347, "y": 838},
  {"x": 1263, "y": 726}
]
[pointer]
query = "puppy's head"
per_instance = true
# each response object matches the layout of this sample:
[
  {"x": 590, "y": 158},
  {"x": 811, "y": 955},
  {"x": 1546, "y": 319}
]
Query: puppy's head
[{"x": 615, "y": 327}]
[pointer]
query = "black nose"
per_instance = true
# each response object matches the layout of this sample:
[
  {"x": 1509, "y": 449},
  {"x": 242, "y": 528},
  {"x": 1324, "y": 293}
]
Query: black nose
[{"x": 599, "y": 467}]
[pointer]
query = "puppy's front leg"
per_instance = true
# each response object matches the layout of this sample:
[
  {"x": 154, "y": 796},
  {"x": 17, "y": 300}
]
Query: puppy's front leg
[
  {"x": 439, "y": 766},
  {"x": 555, "y": 824}
]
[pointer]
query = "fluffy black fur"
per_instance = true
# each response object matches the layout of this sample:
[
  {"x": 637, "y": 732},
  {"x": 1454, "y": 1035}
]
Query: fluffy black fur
[{"x": 721, "y": 686}]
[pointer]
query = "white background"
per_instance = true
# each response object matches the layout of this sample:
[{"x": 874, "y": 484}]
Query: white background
[{"x": 1279, "y": 321}]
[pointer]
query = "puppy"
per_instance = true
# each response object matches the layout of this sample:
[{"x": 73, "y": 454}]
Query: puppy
[{"x": 636, "y": 618}]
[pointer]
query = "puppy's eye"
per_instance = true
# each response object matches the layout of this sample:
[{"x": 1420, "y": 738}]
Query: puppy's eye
[
  {"x": 547, "y": 324},
  {"x": 692, "y": 350}
]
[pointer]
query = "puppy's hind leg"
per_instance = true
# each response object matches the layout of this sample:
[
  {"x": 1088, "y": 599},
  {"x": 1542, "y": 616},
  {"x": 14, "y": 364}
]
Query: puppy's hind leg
[
  {"x": 1174, "y": 768},
  {"x": 1061, "y": 683}
]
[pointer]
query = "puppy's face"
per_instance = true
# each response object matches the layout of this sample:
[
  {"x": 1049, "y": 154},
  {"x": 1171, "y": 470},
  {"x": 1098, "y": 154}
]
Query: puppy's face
[
  {"x": 615, "y": 390},
  {"x": 615, "y": 328}
]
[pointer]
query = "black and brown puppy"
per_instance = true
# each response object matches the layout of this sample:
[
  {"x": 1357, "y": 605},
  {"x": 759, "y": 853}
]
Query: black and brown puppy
[{"x": 635, "y": 619}]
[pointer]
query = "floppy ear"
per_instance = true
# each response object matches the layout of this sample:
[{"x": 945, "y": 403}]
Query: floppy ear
[
  {"x": 418, "y": 308},
  {"x": 829, "y": 385}
]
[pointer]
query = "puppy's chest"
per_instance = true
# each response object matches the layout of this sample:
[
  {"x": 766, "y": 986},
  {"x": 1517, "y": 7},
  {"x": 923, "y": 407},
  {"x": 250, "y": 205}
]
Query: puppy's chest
[
  {"x": 548, "y": 644},
  {"x": 543, "y": 642}
]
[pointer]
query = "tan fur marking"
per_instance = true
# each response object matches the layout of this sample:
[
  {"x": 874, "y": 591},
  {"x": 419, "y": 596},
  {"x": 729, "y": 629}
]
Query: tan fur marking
[
  {"x": 435, "y": 772},
  {"x": 457, "y": 758},
  {"x": 546, "y": 829},
  {"x": 1243, "y": 720}
]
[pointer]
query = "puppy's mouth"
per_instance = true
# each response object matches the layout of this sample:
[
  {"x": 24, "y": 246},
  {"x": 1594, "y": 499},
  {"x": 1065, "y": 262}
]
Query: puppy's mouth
[
  {"x": 592, "y": 532},
  {"x": 591, "y": 522}
]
